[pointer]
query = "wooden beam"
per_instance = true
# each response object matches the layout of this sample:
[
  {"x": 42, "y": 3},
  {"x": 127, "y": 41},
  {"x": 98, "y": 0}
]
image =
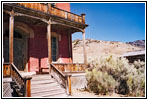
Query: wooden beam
[
  {"x": 11, "y": 32},
  {"x": 66, "y": 25},
  {"x": 27, "y": 84},
  {"x": 83, "y": 18},
  {"x": 84, "y": 48},
  {"x": 69, "y": 46},
  {"x": 49, "y": 45},
  {"x": 28, "y": 88},
  {"x": 69, "y": 84}
]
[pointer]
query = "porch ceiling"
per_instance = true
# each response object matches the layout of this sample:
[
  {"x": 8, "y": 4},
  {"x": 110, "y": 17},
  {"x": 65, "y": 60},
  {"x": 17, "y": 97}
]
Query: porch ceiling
[
  {"x": 38, "y": 18},
  {"x": 37, "y": 22}
]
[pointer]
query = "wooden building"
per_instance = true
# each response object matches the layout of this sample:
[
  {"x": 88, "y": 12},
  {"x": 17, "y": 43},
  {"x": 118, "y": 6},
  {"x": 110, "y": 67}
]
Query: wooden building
[
  {"x": 135, "y": 56},
  {"x": 37, "y": 37}
]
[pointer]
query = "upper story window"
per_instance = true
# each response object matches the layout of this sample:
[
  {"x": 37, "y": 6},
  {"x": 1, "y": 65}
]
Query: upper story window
[{"x": 53, "y": 4}]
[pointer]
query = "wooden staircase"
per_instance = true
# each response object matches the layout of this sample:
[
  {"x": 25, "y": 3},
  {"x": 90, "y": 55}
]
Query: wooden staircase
[
  {"x": 44, "y": 86},
  {"x": 26, "y": 85}
]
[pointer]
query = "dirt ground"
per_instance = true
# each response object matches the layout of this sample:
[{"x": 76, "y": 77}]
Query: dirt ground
[{"x": 86, "y": 94}]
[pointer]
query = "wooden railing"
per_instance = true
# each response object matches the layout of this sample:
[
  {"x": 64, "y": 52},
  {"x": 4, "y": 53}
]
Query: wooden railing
[
  {"x": 22, "y": 85},
  {"x": 47, "y": 8},
  {"x": 70, "y": 67},
  {"x": 63, "y": 79}
]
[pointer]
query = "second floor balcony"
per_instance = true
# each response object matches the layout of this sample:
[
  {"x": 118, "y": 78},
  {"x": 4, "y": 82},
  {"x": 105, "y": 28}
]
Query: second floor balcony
[{"x": 53, "y": 11}]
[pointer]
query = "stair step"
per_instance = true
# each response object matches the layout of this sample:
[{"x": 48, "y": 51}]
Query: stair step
[
  {"x": 42, "y": 75},
  {"x": 44, "y": 85},
  {"x": 37, "y": 90},
  {"x": 41, "y": 82},
  {"x": 55, "y": 85},
  {"x": 41, "y": 78},
  {"x": 48, "y": 93}
]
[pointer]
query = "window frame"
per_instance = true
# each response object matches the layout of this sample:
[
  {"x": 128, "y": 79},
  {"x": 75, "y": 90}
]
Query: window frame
[{"x": 57, "y": 36}]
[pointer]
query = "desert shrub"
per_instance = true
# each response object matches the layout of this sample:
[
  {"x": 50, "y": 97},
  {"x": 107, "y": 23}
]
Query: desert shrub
[
  {"x": 100, "y": 82},
  {"x": 136, "y": 78},
  {"x": 116, "y": 74}
]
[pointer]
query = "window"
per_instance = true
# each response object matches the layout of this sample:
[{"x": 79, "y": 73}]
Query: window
[
  {"x": 53, "y": 5},
  {"x": 54, "y": 48}
]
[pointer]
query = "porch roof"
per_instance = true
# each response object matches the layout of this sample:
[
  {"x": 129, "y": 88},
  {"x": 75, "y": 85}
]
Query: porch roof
[{"x": 34, "y": 16}]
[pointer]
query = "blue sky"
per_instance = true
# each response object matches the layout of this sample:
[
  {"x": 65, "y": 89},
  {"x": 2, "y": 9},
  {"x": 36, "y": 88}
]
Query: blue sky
[{"x": 112, "y": 21}]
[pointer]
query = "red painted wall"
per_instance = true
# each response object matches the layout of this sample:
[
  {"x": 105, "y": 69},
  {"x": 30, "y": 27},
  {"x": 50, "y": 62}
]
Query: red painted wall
[
  {"x": 64, "y": 6},
  {"x": 63, "y": 49},
  {"x": 38, "y": 49}
]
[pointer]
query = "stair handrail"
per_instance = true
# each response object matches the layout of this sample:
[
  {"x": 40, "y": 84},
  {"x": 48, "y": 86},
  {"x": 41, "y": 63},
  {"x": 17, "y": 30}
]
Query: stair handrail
[
  {"x": 24, "y": 83},
  {"x": 65, "y": 77},
  {"x": 52, "y": 66}
]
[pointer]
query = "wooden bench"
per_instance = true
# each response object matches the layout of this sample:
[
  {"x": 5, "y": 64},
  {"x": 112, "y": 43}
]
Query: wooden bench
[{"x": 43, "y": 72}]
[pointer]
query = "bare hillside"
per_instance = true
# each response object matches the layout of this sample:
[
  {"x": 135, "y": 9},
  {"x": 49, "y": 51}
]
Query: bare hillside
[{"x": 96, "y": 48}]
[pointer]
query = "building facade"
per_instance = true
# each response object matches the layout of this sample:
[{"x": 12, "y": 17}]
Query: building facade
[{"x": 37, "y": 34}]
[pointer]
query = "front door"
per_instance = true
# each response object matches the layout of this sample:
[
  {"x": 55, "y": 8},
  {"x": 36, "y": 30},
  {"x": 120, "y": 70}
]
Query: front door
[
  {"x": 19, "y": 54},
  {"x": 18, "y": 50}
]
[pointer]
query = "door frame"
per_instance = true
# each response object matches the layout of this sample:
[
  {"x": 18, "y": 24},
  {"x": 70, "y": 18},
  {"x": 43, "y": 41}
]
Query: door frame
[{"x": 26, "y": 32}]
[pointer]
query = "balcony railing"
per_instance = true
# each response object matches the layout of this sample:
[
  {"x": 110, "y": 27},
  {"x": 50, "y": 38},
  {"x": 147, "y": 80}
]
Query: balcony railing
[{"x": 47, "y": 8}]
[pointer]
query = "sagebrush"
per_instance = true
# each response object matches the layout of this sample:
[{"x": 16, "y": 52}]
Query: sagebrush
[{"x": 116, "y": 74}]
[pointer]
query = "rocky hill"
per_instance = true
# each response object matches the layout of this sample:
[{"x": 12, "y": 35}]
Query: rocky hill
[
  {"x": 138, "y": 43},
  {"x": 97, "y": 48}
]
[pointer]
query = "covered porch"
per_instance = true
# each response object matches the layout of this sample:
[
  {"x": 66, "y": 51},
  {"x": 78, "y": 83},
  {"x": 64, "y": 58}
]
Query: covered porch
[{"x": 56, "y": 30}]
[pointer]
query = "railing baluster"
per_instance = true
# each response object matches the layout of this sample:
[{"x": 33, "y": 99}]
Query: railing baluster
[{"x": 18, "y": 79}]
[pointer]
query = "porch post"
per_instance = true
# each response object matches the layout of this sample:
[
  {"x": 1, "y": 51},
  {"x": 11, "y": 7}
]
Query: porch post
[
  {"x": 11, "y": 29},
  {"x": 69, "y": 46},
  {"x": 84, "y": 48},
  {"x": 49, "y": 45}
]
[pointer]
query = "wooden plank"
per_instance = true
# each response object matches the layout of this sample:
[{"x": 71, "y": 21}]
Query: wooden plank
[
  {"x": 5, "y": 80},
  {"x": 49, "y": 93},
  {"x": 40, "y": 78},
  {"x": 28, "y": 88},
  {"x": 69, "y": 84},
  {"x": 6, "y": 70},
  {"x": 36, "y": 86},
  {"x": 42, "y": 82},
  {"x": 44, "y": 89},
  {"x": 83, "y": 18},
  {"x": 69, "y": 47},
  {"x": 49, "y": 45},
  {"x": 11, "y": 29}
]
